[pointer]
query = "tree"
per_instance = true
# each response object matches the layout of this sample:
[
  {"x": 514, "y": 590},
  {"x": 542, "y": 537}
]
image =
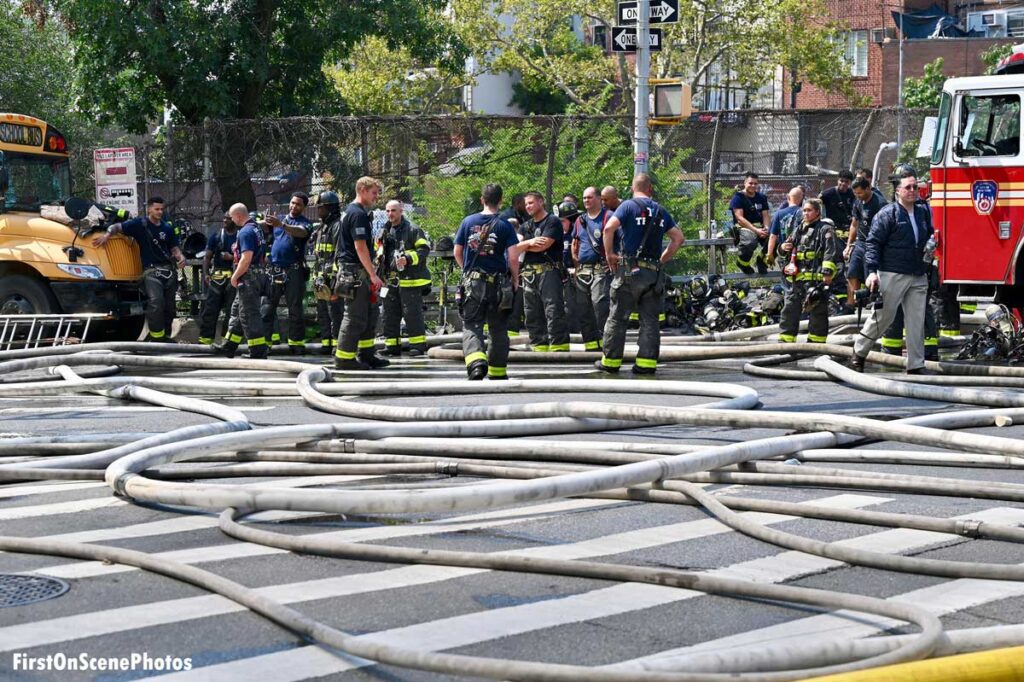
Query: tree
[
  {"x": 378, "y": 80},
  {"x": 37, "y": 78},
  {"x": 995, "y": 54},
  {"x": 924, "y": 92},
  {"x": 750, "y": 37},
  {"x": 239, "y": 60}
]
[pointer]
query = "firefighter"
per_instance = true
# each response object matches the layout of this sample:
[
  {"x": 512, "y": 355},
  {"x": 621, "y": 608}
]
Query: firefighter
[
  {"x": 568, "y": 212},
  {"x": 593, "y": 279},
  {"x": 218, "y": 262},
  {"x": 542, "y": 278},
  {"x": 329, "y": 306},
  {"x": 159, "y": 253},
  {"x": 638, "y": 282},
  {"x": 358, "y": 282},
  {"x": 406, "y": 275},
  {"x": 249, "y": 278},
  {"x": 485, "y": 249},
  {"x": 749, "y": 209},
  {"x": 812, "y": 252},
  {"x": 837, "y": 204},
  {"x": 288, "y": 272}
]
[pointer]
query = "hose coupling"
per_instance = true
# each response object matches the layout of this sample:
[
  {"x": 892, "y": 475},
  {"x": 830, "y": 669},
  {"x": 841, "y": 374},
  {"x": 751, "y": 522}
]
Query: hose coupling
[
  {"x": 448, "y": 468},
  {"x": 969, "y": 528}
]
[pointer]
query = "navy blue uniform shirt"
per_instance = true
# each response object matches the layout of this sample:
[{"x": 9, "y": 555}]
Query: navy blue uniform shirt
[
  {"x": 499, "y": 237},
  {"x": 250, "y": 238},
  {"x": 155, "y": 241},
  {"x": 286, "y": 249},
  {"x": 632, "y": 214},
  {"x": 218, "y": 243},
  {"x": 356, "y": 226},
  {"x": 751, "y": 206}
]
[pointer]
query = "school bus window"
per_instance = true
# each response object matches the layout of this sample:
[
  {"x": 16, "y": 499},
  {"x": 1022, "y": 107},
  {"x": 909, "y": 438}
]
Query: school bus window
[
  {"x": 35, "y": 181},
  {"x": 990, "y": 125}
]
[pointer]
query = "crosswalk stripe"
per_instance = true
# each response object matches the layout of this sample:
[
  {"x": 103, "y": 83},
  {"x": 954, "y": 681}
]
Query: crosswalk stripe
[
  {"x": 458, "y": 631},
  {"x": 947, "y": 597},
  {"x": 47, "y": 488},
  {"x": 96, "y": 623},
  {"x": 239, "y": 550}
]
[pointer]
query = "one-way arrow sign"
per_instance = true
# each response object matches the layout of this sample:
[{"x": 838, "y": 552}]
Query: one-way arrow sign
[
  {"x": 624, "y": 39},
  {"x": 662, "y": 12}
]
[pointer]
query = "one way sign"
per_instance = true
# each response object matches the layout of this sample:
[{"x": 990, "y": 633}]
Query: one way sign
[
  {"x": 624, "y": 39},
  {"x": 662, "y": 12}
]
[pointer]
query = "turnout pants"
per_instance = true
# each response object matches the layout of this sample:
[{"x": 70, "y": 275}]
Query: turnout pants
[
  {"x": 545, "y": 310},
  {"x": 593, "y": 286},
  {"x": 289, "y": 283},
  {"x": 480, "y": 307},
  {"x": 572, "y": 304},
  {"x": 245, "y": 311},
  {"x": 404, "y": 303},
  {"x": 745, "y": 250},
  {"x": 220, "y": 295},
  {"x": 789, "y": 324},
  {"x": 161, "y": 286},
  {"x": 641, "y": 291},
  {"x": 328, "y": 318},
  {"x": 359, "y": 326},
  {"x": 910, "y": 292}
]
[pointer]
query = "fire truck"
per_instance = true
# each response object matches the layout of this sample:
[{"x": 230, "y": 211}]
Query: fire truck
[{"x": 977, "y": 185}]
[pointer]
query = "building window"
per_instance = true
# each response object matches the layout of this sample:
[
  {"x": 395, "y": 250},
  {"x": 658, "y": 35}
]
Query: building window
[{"x": 856, "y": 52}]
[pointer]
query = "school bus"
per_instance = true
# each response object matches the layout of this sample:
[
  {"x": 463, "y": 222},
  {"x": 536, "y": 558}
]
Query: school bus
[{"x": 47, "y": 266}]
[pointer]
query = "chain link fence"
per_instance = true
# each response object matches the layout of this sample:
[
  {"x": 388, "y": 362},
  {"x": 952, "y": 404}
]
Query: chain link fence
[{"x": 437, "y": 165}]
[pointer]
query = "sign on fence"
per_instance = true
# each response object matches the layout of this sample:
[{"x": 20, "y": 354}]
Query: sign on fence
[{"x": 116, "y": 183}]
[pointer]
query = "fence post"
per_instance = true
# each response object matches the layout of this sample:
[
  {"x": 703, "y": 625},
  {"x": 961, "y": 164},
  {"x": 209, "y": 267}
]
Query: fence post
[
  {"x": 364, "y": 146},
  {"x": 172, "y": 204},
  {"x": 549, "y": 180},
  {"x": 207, "y": 175},
  {"x": 712, "y": 165}
]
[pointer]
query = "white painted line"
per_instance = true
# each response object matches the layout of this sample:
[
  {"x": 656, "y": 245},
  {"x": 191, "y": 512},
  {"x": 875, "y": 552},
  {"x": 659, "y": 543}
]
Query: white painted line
[
  {"x": 47, "y": 488},
  {"x": 127, "y": 618},
  {"x": 239, "y": 550},
  {"x": 53, "y": 509},
  {"x": 449, "y": 633},
  {"x": 944, "y": 598}
]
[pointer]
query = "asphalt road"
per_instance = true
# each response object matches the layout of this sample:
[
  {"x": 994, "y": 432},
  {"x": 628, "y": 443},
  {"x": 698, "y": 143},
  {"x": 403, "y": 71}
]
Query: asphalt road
[{"x": 114, "y": 611}]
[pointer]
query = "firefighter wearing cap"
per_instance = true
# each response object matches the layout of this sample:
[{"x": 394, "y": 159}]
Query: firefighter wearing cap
[
  {"x": 405, "y": 273},
  {"x": 329, "y": 306},
  {"x": 218, "y": 262},
  {"x": 812, "y": 251},
  {"x": 542, "y": 272}
]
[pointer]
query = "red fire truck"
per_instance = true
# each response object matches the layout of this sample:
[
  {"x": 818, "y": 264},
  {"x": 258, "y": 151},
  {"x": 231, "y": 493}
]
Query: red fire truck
[{"x": 977, "y": 174}]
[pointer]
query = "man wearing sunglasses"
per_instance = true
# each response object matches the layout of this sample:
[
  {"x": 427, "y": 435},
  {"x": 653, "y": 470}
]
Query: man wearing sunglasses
[{"x": 894, "y": 262}]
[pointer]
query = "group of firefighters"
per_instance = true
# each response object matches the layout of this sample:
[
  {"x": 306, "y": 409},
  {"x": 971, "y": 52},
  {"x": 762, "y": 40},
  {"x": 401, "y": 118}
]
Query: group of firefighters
[{"x": 562, "y": 271}]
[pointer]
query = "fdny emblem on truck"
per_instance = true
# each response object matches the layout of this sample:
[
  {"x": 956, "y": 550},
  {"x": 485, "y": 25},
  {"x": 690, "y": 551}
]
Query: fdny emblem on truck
[{"x": 984, "y": 193}]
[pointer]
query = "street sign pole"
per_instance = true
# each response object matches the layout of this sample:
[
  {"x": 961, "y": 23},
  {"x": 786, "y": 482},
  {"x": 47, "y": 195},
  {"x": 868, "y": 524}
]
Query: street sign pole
[{"x": 641, "y": 143}]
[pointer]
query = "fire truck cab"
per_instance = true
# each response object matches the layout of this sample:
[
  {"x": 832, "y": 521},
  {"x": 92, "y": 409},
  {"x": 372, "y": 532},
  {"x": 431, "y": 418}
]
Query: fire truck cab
[{"x": 977, "y": 178}]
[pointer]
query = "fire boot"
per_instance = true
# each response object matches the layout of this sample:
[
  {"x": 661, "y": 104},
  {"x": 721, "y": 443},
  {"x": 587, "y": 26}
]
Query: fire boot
[{"x": 372, "y": 360}]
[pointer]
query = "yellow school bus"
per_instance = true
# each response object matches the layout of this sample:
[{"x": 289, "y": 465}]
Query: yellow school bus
[{"x": 46, "y": 265}]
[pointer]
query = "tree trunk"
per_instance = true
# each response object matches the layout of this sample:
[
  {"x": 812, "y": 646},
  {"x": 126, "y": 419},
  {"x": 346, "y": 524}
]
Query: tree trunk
[{"x": 230, "y": 170}]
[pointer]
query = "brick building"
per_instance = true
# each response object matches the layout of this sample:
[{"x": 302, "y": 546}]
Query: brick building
[{"x": 873, "y": 47}]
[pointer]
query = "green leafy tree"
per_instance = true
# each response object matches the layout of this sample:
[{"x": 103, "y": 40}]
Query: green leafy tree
[
  {"x": 37, "y": 78},
  {"x": 241, "y": 60},
  {"x": 379, "y": 80},
  {"x": 995, "y": 54},
  {"x": 924, "y": 92},
  {"x": 751, "y": 37}
]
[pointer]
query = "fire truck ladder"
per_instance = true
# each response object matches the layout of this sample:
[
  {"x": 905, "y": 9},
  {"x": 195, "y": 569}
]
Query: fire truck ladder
[{"x": 33, "y": 331}]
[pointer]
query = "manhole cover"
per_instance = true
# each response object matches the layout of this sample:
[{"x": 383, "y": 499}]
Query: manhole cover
[{"x": 16, "y": 590}]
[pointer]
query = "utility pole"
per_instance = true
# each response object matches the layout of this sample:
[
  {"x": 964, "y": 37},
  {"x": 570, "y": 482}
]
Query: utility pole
[{"x": 641, "y": 141}]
